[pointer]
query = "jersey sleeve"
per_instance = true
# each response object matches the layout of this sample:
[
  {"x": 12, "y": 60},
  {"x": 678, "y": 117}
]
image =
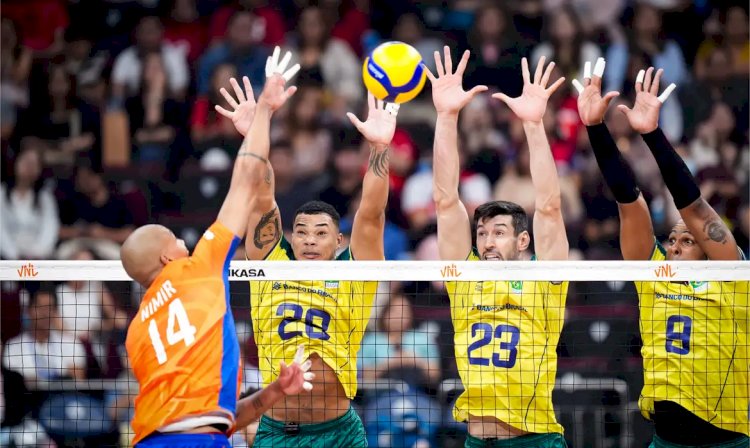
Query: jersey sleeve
[
  {"x": 215, "y": 248},
  {"x": 282, "y": 251},
  {"x": 658, "y": 253}
]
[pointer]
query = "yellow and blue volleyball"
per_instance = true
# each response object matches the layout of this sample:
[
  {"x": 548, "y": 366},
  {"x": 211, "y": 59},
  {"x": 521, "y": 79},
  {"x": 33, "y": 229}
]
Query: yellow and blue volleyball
[{"x": 394, "y": 72}]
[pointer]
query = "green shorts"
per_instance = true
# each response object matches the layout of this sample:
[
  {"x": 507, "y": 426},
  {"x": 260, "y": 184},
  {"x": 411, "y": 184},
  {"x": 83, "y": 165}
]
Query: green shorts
[
  {"x": 741, "y": 442},
  {"x": 346, "y": 431},
  {"x": 552, "y": 440}
]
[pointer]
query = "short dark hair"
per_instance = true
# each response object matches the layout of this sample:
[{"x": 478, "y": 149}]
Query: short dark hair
[
  {"x": 496, "y": 208},
  {"x": 318, "y": 208},
  {"x": 43, "y": 289}
]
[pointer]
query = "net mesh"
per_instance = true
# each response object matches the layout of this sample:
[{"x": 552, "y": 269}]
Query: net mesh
[{"x": 416, "y": 348}]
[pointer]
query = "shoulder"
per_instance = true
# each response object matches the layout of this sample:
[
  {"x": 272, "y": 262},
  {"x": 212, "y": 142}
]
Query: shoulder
[{"x": 282, "y": 251}]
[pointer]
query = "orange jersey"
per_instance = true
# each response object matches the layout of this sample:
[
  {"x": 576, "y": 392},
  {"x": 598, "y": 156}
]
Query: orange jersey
[{"x": 182, "y": 344}]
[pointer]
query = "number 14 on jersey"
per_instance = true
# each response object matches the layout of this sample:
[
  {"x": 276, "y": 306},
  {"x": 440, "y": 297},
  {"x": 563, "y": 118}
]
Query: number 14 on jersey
[{"x": 178, "y": 329}]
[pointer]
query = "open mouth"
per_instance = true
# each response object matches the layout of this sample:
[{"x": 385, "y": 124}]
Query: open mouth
[
  {"x": 310, "y": 255},
  {"x": 492, "y": 257}
]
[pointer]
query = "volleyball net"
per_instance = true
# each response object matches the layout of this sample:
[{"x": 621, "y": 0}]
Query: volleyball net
[{"x": 426, "y": 331}]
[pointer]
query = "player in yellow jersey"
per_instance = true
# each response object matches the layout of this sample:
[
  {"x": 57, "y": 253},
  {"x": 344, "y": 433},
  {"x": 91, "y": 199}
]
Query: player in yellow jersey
[
  {"x": 506, "y": 333},
  {"x": 695, "y": 349},
  {"x": 330, "y": 316}
]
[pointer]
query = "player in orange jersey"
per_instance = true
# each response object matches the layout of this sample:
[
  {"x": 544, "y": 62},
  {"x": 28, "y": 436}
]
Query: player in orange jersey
[{"x": 182, "y": 343}]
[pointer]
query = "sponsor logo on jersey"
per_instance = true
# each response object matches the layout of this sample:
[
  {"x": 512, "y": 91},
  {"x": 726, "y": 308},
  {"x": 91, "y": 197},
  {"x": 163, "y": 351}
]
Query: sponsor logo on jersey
[
  {"x": 332, "y": 284},
  {"x": 277, "y": 286},
  {"x": 516, "y": 287},
  {"x": 246, "y": 273},
  {"x": 699, "y": 286}
]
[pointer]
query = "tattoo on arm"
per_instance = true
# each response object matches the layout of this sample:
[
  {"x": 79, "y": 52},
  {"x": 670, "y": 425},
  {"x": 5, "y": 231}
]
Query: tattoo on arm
[
  {"x": 257, "y": 404},
  {"x": 378, "y": 163},
  {"x": 269, "y": 169},
  {"x": 713, "y": 227},
  {"x": 268, "y": 230}
]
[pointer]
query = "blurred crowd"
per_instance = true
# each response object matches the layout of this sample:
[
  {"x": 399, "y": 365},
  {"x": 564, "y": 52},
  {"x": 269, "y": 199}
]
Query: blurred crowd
[{"x": 107, "y": 122}]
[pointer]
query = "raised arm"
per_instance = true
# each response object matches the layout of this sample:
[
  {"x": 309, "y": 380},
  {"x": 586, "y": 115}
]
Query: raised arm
[
  {"x": 636, "y": 230},
  {"x": 369, "y": 221},
  {"x": 449, "y": 97},
  {"x": 710, "y": 232},
  {"x": 550, "y": 239},
  {"x": 252, "y": 170}
]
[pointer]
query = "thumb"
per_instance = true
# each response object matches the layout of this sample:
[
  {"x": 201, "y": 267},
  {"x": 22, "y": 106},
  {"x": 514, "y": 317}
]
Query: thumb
[
  {"x": 503, "y": 97},
  {"x": 624, "y": 109},
  {"x": 609, "y": 97},
  {"x": 355, "y": 121},
  {"x": 476, "y": 89}
]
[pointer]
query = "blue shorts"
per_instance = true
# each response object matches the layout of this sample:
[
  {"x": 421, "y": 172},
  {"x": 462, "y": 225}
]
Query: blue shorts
[{"x": 185, "y": 441}]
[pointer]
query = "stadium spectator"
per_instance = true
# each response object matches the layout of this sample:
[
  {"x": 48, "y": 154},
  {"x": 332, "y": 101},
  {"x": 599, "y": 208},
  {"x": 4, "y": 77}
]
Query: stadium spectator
[
  {"x": 68, "y": 127},
  {"x": 28, "y": 211},
  {"x": 15, "y": 70},
  {"x": 42, "y": 352},
  {"x": 311, "y": 141},
  {"x": 185, "y": 29},
  {"x": 239, "y": 48},
  {"x": 155, "y": 118},
  {"x": 497, "y": 48},
  {"x": 348, "y": 161},
  {"x": 128, "y": 70},
  {"x": 565, "y": 43},
  {"x": 93, "y": 212},
  {"x": 268, "y": 25},
  {"x": 208, "y": 128},
  {"x": 87, "y": 308},
  {"x": 291, "y": 192},
  {"x": 733, "y": 38},
  {"x": 410, "y": 29},
  {"x": 42, "y": 22},
  {"x": 397, "y": 349},
  {"x": 328, "y": 58}
]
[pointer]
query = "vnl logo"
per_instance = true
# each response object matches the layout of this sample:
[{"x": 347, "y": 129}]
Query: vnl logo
[
  {"x": 665, "y": 271},
  {"x": 450, "y": 271},
  {"x": 27, "y": 271}
]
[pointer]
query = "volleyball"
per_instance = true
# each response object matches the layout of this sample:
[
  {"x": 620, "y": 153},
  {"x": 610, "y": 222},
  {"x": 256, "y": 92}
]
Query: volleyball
[{"x": 394, "y": 72}]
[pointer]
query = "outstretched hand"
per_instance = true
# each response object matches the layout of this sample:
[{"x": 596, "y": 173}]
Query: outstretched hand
[
  {"x": 591, "y": 105},
  {"x": 448, "y": 94},
  {"x": 644, "y": 116},
  {"x": 294, "y": 378},
  {"x": 532, "y": 103},
  {"x": 380, "y": 125},
  {"x": 275, "y": 93},
  {"x": 243, "y": 110}
]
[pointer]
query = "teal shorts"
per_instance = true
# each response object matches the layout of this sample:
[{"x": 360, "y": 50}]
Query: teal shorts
[
  {"x": 346, "y": 431},
  {"x": 741, "y": 442},
  {"x": 552, "y": 440}
]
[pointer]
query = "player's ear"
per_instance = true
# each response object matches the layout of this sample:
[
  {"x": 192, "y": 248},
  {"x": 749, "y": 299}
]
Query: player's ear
[
  {"x": 524, "y": 239},
  {"x": 339, "y": 240},
  {"x": 164, "y": 258}
]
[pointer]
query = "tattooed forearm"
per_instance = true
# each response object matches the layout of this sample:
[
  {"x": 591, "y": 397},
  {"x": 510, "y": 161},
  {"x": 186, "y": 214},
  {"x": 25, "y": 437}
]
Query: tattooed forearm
[
  {"x": 250, "y": 154},
  {"x": 716, "y": 231},
  {"x": 713, "y": 228},
  {"x": 268, "y": 230},
  {"x": 378, "y": 163},
  {"x": 257, "y": 403}
]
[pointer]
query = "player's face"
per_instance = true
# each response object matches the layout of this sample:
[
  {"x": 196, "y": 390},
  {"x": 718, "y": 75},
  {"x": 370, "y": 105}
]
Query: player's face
[
  {"x": 315, "y": 237},
  {"x": 682, "y": 245},
  {"x": 496, "y": 239}
]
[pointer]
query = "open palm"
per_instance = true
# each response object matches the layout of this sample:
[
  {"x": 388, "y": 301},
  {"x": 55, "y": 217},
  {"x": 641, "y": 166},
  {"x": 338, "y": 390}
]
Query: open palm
[
  {"x": 275, "y": 93},
  {"x": 448, "y": 94},
  {"x": 644, "y": 116},
  {"x": 592, "y": 106},
  {"x": 380, "y": 125},
  {"x": 532, "y": 103},
  {"x": 243, "y": 110}
]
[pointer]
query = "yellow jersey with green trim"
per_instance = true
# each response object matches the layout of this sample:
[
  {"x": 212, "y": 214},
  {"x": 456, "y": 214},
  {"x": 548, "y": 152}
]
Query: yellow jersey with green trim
[
  {"x": 506, "y": 335},
  {"x": 329, "y": 316},
  {"x": 695, "y": 348}
]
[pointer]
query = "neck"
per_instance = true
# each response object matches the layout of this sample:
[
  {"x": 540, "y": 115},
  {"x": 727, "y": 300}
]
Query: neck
[{"x": 40, "y": 335}]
